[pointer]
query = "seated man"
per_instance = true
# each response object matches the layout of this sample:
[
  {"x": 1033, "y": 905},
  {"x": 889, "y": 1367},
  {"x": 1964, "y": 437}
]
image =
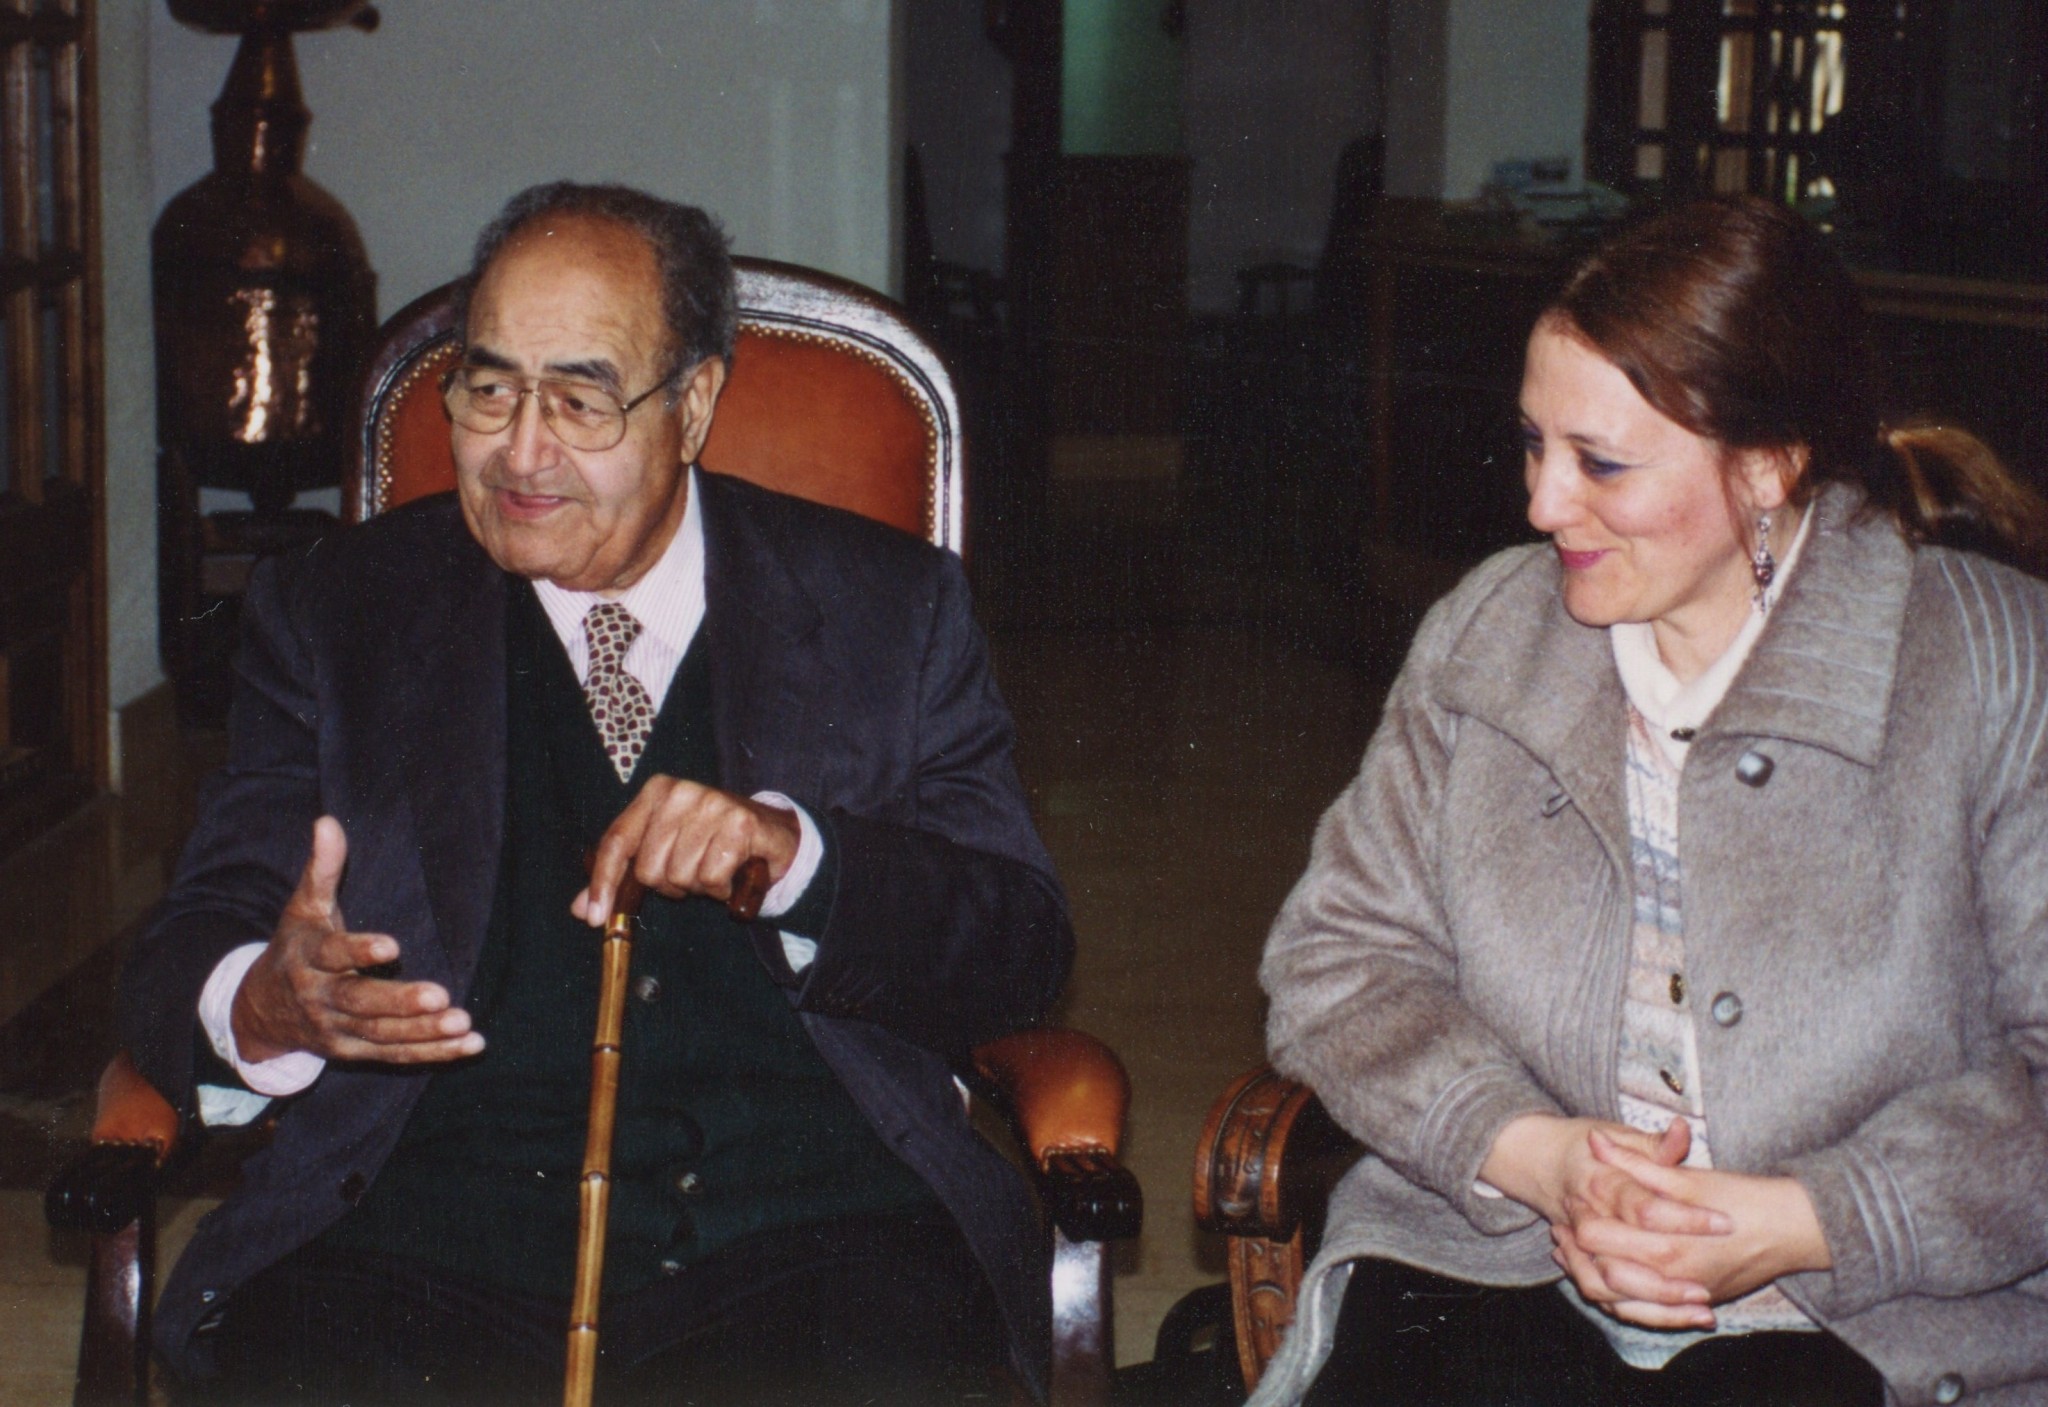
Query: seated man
[{"x": 594, "y": 647}]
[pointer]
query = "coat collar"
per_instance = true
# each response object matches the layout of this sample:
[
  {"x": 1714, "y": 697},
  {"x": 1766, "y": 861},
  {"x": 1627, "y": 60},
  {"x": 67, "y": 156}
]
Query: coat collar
[
  {"x": 759, "y": 615},
  {"x": 454, "y": 716},
  {"x": 1820, "y": 674}
]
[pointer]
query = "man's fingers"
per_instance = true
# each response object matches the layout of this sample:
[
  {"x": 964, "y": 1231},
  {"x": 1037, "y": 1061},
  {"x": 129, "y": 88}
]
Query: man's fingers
[
  {"x": 426, "y": 1052},
  {"x": 342, "y": 953},
  {"x": 616, "y": 853},
  {"x": 373, "y": 997},
  {"x": 322, "y": 876}
]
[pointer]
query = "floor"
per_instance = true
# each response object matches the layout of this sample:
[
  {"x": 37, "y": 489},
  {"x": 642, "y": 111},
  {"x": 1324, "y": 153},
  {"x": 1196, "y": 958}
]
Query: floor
[{"x": 1182, "y": 721}]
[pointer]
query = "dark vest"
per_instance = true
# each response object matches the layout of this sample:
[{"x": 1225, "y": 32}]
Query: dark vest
[{"x": 729, "y": 1121}]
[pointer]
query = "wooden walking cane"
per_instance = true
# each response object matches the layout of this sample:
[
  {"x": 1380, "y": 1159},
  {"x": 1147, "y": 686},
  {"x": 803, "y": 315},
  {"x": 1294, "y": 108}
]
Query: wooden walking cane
[{"x": 749, "y": 886}]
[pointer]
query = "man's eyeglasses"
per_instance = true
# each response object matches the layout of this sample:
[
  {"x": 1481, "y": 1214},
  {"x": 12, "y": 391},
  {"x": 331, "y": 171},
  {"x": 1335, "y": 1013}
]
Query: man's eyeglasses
[{"x": 582, "y": 415}]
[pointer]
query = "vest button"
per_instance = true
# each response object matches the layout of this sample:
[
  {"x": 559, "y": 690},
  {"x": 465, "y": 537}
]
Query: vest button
[
  {"x": 1948, "y": 1388},
  {"x": 689, "y": 1184},
  {"x": 352, "y": 1188},
  {"x": 671, "y": 1268},
  {"x": 1727, "y": 1009},
  {"x": 647, "y": 989},
  {"x": 1753, "y": 769}
]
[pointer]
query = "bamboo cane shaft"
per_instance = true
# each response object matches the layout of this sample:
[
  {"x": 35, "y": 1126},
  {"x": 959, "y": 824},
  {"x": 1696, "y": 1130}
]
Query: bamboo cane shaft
[{"x": 594, "y": 1192}]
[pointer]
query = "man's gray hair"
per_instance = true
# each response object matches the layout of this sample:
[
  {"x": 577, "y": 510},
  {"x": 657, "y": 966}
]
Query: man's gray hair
[{"x": 697, "y": 294}]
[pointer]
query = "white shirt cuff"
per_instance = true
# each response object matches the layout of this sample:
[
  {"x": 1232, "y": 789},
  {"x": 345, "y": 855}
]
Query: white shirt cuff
[
  {"x": 800, "y": 952},
  {"x": 288, "y": 1074}
]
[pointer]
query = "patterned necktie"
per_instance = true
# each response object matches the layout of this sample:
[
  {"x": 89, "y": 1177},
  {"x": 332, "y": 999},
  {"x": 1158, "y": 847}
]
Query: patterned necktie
[{"x": 618, "y": 703}]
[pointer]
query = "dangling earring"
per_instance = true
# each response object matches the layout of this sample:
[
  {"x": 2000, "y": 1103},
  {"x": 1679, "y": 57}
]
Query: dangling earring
[{"x": 1762, "y": 565}]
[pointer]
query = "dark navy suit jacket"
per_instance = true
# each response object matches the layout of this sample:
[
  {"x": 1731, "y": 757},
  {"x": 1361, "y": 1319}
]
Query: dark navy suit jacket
[{"x": 847, "y": 673}]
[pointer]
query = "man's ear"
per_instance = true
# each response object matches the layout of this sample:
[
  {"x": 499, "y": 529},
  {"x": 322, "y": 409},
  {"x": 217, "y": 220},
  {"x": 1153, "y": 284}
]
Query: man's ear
[
  {"x": 1768, "y": 476},
  {"x": 696, "y": 402}
]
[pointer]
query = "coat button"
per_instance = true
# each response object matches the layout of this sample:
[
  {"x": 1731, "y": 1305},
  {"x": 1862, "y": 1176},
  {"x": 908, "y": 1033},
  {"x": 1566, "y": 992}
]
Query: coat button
[
  {"x": 671, "y": 1268},
  {"x": 647, "y": 989},
  {"x": 1555, "y": 803},
  {"x": 689, "y": 1184},
  {"x": 353, "y": 1187},
  {"x": 1727, "y": 1009},
  {"x": 1753, "y": 769},
  {"x": 1949, "y": 1388}
]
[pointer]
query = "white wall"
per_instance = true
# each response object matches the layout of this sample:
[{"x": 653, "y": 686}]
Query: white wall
[
  {"x": 1472, "y": 82},
  {"x": 774, "y": 114},
  {"x": 957, "y": 104},
  {"x": 126, "y": 213},
  {"x": 781, "y": 116},
  {"x": 1515, "y": 86},
  {"x": 1273, "y": 91}
]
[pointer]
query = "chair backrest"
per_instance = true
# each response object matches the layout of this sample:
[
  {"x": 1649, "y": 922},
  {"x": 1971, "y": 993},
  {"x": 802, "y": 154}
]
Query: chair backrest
[{"x": 832, "y": 396}]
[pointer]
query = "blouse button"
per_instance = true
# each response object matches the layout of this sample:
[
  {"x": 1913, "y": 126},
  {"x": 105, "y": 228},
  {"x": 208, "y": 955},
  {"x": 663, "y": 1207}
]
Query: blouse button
[
  {"x": 1671, "y": 1082},
  {"x": 1727, "y": 1009},
  {"x": 1678, "y": 989}
]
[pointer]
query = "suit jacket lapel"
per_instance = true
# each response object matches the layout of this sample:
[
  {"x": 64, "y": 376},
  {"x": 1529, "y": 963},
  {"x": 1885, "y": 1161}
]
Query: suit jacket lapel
[
  {"x": 758, "y": 618},
  {"x": 454, "y": 721}
]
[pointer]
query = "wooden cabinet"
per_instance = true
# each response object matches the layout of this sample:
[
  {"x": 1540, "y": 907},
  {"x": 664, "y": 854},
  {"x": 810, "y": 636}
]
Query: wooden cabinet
[{"x": 52, "y": 686}]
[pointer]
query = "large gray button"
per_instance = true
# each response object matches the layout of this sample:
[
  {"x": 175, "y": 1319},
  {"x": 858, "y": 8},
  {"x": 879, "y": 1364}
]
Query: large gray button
[
  {"x": 1949, "y": 1388},
  {"x": 647, "y": 989},
  {"x": 1753, "y": 769},
  {"x": 1727, "y": 1008}
]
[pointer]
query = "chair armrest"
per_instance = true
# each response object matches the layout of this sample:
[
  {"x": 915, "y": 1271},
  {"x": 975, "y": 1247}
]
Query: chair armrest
[
  {"x": 1268, "y": 1157},
  {"x": 113, "y": 1182},
  {"x": 1066, "y": 1095}
]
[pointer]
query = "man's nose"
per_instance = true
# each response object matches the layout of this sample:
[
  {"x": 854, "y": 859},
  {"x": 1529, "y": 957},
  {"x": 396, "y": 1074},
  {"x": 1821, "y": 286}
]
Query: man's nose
[
  {"x": 1551, "y": 478},
  {"x": 533, "y": 445}
]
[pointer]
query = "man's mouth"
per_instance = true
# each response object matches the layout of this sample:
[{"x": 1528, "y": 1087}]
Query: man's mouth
[{"x": 527, "y": 506}]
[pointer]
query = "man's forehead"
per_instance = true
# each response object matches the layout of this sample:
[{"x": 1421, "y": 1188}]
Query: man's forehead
[{"x": 572, "y": 297}]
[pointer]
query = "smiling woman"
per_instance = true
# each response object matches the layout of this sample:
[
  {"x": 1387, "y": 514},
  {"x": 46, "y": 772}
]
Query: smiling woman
[{"x": 1736, "y": 1088}]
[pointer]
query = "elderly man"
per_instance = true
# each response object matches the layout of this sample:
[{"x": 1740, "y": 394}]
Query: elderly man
[{"x": 383, "y": 927}]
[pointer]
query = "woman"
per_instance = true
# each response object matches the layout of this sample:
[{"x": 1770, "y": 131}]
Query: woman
[{"x": 1681, "y": 950}]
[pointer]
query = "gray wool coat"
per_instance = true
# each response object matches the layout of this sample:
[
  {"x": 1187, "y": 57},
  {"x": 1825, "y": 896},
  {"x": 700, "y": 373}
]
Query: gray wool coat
[{"x": 1863, "y": 823}]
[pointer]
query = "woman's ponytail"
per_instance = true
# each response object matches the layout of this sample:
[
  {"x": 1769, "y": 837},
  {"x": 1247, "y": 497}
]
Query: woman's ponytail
[{"x": 1944, "y": 485}]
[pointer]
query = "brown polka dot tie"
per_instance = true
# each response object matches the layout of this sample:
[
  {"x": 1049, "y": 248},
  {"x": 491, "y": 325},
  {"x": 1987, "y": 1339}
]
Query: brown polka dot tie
[{"x": 618, "y": 703}]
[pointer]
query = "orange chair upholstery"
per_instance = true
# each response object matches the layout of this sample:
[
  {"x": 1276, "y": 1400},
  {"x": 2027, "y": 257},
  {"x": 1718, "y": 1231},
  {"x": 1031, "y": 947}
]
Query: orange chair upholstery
[{"x": 832, "y": 396}]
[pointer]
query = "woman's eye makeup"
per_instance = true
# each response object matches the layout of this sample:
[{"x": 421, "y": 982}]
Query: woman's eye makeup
[{"x": 1597, "y": 467}]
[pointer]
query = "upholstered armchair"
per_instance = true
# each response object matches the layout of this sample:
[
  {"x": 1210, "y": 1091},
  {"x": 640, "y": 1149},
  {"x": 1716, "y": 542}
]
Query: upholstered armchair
[{"x": 833, "y": 396}]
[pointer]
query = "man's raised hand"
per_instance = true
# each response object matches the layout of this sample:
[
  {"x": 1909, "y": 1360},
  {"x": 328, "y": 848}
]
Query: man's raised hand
[
  {"x": 679, "y": 838},
  {"x": 306, "y": 991}
]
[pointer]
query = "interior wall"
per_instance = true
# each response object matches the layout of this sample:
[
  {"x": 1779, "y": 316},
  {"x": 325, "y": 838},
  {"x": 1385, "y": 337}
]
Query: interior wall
[
  {"x": 126, "y": 212},
  {"x": 1274, "y": 89},
  {"x": 1120, "y": 80},
  {"x": 1472, "y": 82},
  {"x": 774, "y": 114},
  {"x": 1515, "y": 87},
  {"x": 777, "y": 115},
  {"x": 956, "y": 95}
]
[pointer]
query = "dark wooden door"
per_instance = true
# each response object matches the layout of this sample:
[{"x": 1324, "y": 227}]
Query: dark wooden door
[{"x": 52, "y": 655}]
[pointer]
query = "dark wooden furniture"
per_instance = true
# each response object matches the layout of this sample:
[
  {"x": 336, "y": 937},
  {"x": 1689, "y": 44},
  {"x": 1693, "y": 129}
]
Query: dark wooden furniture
[
  {"x": 52, "y": 538},
  {"x": 835, "y": 397},
  {"x": 264, "y": 308},
  {"x": 1268, "y": 1157}
]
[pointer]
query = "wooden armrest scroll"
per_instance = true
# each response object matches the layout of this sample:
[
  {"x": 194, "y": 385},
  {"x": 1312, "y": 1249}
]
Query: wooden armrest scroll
[{"x": 1268, "y": 1157}]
